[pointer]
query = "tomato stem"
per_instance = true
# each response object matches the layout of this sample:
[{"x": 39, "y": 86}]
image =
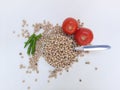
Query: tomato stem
[
  {"x": 83, "y": 38},
  {"x": 70, "y": 28}
]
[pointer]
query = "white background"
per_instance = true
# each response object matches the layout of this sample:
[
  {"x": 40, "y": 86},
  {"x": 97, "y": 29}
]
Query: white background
[{"x": 102, "y": 16}]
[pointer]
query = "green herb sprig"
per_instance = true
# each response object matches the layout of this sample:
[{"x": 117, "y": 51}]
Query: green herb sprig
[{"x": 31, "y": 43}]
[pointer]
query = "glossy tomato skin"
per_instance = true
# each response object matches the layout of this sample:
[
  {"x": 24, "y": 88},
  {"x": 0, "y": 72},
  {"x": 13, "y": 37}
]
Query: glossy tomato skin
[
  {"x": 70, "y": 25},
  {"x": 83, "y": 36}
]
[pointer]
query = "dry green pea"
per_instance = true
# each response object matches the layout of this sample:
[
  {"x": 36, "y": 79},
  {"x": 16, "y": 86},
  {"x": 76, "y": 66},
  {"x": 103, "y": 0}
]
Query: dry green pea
[
  {"x": 28, "y": 87},
  {"x": 58, "y": 48}
]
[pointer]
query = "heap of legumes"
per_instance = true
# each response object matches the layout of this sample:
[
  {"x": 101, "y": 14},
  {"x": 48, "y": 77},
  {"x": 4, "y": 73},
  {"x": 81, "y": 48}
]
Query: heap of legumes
[{"x": 56, "y": 44}]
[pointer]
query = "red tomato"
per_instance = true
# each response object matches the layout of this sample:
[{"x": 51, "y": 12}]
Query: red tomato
[
  {"x": 69, "y": 25},
  {"x": 83, "y": 36}
]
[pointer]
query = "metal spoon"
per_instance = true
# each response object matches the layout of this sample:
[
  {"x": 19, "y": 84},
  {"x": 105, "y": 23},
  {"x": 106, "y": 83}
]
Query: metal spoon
[{"x": 93, "y": 48}]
